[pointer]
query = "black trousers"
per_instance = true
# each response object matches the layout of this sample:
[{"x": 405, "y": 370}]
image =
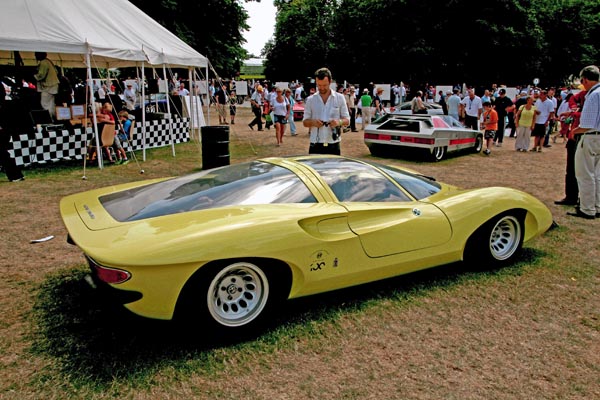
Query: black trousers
[
  {"x": 320, "y": 148},
  {"x": 11, "y": 169},
  {"x": 571, "y": 188},
  {"x": 353, "y": 118},
  {"x": 500, "y": 131},
  {"x": 471, "y": 122},
  {"x": 257, "y": 117}
]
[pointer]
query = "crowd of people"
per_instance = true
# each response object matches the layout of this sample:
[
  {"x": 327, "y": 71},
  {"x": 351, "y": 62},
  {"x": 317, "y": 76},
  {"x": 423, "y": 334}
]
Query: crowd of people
[{"x": 541, "y": 114}]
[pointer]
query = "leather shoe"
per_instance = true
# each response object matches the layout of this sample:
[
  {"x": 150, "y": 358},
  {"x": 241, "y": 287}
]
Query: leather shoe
[
  {"x": 250, "y": 126},
  {"x": 566, "y": 202},
  {"x": 580, "y": 214}
]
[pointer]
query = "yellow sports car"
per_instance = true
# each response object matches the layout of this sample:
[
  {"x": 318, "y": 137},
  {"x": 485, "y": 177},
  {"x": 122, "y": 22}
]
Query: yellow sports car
[{"x": 225, "y": 245}]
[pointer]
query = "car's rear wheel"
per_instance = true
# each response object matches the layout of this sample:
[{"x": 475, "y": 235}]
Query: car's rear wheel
[
  {"x": 478, "y": 144},
  {"x": 237, "y": 294},
  {"x": 233, "y": 295},
  {"x": 377, "y": 150},
  {"x": 497, "y": 242},
  {"x": 438, "y": 153}
]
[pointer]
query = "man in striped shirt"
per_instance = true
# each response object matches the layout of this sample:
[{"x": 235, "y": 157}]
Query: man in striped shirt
[{"x": 587, "y": 157}]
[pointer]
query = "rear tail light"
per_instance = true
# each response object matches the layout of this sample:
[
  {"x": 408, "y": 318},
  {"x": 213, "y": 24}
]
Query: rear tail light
[{"x": 109, "y": 275}]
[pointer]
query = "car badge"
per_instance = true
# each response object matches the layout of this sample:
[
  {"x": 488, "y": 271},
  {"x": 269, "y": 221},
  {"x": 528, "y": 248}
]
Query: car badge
[{"x": 416, "y": 212}]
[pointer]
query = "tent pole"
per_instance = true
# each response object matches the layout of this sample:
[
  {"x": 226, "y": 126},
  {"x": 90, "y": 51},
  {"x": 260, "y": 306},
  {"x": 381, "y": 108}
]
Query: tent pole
[
  {"x": 208, "y": 98},
  {"x": 92, "y": 102},
  {"x": 169, "y": 110},
  {"x": 143, "y": 105},
  {"x": 192, "y": 104}
]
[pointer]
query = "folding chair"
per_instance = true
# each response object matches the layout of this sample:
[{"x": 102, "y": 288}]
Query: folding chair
[{"x": 108, "y": 138}]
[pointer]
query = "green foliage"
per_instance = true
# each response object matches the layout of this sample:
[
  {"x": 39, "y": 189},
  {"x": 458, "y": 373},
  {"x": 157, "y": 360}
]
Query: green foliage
[
  {"x": 507, "y": 41},
  {"x": 212, "y": 27}
]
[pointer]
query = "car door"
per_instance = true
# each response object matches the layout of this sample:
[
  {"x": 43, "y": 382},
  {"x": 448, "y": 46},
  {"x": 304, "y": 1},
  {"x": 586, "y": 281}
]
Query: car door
[
  {"x": 386, "y": 218},
  {"x": 397, "y": 227}
]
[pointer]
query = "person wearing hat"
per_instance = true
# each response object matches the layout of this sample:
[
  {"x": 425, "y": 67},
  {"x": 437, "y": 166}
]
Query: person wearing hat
[
  {"x": 256, "y": 103},
  {"x": 350, "y": 96},
  {"x": 503, "y": 106},
  {"x": 365, "y": 103},
  {"x": 47, "y": 82},
  {"x": 130, "y": 97}
]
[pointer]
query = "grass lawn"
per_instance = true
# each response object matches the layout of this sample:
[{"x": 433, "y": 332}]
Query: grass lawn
[{"x": 527, "y": 331}]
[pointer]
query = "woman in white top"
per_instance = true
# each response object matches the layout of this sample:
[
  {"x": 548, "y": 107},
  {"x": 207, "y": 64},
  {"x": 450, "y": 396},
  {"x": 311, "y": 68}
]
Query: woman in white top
[{"x": 281, "y": 109}]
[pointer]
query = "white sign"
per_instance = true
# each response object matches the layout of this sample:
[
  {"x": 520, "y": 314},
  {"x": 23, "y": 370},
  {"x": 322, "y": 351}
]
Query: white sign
[
  {"x": 387, "y": 89},
  {"x": 445, "y": 89},
  {"x": 282, "y": 85},
  {"x": 241, "y": 88}
]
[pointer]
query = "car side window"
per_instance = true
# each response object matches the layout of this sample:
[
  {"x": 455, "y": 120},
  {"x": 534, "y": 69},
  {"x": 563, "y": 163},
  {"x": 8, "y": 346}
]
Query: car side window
[
  {"x": 419, "y": 187},
  {"x": 352, "y": 181}
]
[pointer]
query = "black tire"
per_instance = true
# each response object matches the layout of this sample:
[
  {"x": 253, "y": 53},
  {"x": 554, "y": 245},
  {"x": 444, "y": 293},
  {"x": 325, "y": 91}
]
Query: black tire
[
  {"x": 231, "y": 296},
  {"x": 438, "y": 153},
  {"x": 497, "y": 242},
  {"x": 478, "y": 144},
  {"x": 377, "y": 150}
]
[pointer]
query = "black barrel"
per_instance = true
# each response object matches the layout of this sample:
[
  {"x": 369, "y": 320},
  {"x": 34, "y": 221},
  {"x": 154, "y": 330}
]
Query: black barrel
[{"x": 215, "y": 146}]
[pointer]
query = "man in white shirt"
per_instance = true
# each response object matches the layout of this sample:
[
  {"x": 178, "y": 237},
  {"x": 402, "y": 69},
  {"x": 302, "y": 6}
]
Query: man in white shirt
[
  {"x": 130, "y": 97},
  {"x": 544, "y": 109},
  {"x": 325, "y": 114},
  {"x": 298, "y": 92},
  {"x": 551, "y": 122},
  {"x": 182, "y": 91},
  {"x": 102, "y": 93},
  {"x": 473, "y": 108}
]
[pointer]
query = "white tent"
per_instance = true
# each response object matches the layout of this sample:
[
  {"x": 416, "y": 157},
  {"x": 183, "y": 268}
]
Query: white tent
[
  {"x": 114, "y": 33},
  {"x": 90, "y": 34}
]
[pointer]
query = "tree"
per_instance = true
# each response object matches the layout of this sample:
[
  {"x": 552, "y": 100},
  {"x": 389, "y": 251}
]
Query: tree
[
  {"x": 212, "y": 27},
  {"x": 506, "y": 41}
]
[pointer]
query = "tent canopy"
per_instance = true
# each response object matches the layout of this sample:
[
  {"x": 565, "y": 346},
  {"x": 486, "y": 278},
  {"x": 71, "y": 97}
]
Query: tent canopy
[{"x": 114, "y": 33}]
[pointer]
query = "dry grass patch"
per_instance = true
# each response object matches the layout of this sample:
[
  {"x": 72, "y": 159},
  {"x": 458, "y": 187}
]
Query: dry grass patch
[{"x": 531, "y": 330}]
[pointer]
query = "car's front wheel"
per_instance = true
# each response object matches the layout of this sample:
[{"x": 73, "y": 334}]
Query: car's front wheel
[{"x": 497, "y": 242}]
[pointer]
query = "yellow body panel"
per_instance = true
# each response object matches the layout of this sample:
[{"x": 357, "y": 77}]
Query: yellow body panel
[{"x": 326, "y": 245}]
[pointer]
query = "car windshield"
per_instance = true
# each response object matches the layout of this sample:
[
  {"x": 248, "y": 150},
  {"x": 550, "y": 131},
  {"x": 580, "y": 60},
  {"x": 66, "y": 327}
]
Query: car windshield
[
  {"x": 353, "y": 181},
  {"x": 242, "y": 184}
]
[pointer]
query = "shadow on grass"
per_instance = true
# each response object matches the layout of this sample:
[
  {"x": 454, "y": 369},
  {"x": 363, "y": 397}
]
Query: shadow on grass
[{"x": 95, "y": 343}]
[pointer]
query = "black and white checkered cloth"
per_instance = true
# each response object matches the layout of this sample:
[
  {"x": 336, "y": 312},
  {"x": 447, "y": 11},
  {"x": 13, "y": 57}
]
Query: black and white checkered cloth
[{"x": 43, "y": 147}]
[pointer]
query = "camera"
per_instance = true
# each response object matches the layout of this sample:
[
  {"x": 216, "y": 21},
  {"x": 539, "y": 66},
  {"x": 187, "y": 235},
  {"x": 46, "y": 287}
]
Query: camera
[
  {"x": 335, "y": 134},
  {"x": 325, "y": 123}
]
